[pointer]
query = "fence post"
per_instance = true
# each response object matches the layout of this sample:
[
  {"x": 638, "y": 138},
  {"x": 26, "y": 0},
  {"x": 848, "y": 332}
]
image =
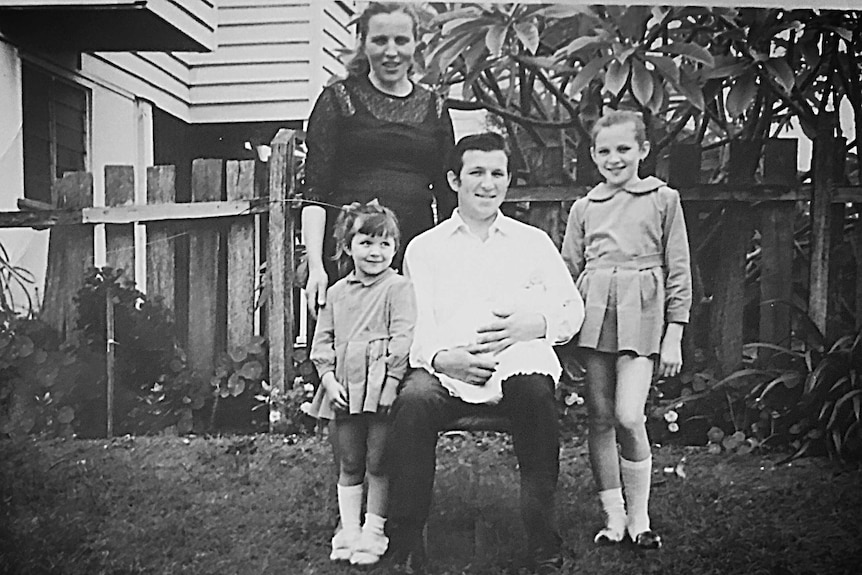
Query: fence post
[
  {"x": 241, "y": 272},
  {"x": 821, "y": 212},
  {"x": 70, "y": 254},
  {"x": 161, "y": 256},
  {"x": 120, "y": 238},
  {"x": 280, "y": 261},
  {"x": 204, "y": 289},
  {"x": 776, "y": 241},
  {"x": 735, "y": 238}
]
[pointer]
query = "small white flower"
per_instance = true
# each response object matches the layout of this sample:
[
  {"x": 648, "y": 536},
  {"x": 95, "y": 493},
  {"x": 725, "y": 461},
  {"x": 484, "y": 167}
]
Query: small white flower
[
  {"x": 308, "y": 387},
  {"x": 274, "y": 416},
  {"x": 673, "y": 427},
  {"x": 574, "y": 399},
  {"x": 671, "y": 416},
  {"x": 305, "y": 408}
]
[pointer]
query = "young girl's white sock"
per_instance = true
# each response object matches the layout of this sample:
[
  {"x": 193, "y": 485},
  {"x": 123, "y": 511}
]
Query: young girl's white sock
[
  {"x": 615, "y": 516},
  {"x": 374, "y": 523},
  {"x": 636, "y": 476},
  {"x": 350, "y": 508}
]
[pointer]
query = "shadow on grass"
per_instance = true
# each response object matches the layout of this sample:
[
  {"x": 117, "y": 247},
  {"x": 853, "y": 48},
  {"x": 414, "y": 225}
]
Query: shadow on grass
[{"x": 261, "y": 505}]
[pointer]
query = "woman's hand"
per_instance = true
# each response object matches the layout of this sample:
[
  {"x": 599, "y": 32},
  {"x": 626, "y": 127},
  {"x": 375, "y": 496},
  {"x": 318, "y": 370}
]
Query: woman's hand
[
  {"x": 315, "y": 289},
  {"x": 670, "y": 360},
  {"x": 335, "y": 392}
]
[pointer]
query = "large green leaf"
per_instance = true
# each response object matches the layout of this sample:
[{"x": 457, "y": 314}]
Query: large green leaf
[
  {"x": 691, "y": 51},
  {"x": 560, "y": 11},
  {"x": 587, "y": 74},
  {"x": 580, "y": 44},
  {"x": 616, "y": 76},
  {"x": 642, "y": 82},
  {"x": 495, "y": 37},
  {"x": 528, "y": 34},
  {"x": 666, "y": 67},
  {"x": 780, "y": 70},
  {"x": 741, "y": 95}
]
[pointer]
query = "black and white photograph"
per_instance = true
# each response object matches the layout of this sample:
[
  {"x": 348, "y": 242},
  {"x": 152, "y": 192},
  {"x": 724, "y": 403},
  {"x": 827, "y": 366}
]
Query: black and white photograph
[{"x": 342, "y": 287}]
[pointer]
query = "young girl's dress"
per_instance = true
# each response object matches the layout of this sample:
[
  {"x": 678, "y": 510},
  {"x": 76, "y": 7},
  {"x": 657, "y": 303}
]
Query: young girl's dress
[
  {"x": 628, "y": 250},
  {"x": 363, "y": 334}
]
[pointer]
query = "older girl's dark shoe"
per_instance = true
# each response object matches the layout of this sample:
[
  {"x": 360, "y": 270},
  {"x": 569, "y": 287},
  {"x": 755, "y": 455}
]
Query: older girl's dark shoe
[{"x": 649, "y": 540}]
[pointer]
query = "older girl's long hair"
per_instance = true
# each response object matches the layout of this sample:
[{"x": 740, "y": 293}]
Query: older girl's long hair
[{"x": 358, "y": 64}]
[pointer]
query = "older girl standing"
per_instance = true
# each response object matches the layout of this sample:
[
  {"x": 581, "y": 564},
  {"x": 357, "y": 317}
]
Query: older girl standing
[{"x": 626, "y": 245}]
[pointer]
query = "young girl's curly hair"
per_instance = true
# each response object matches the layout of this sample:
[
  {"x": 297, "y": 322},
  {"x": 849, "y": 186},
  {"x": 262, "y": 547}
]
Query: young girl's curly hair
[{"x": 371, "y": 219}]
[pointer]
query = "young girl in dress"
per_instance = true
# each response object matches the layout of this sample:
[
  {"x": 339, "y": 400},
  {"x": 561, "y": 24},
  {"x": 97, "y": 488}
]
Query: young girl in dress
[
  {"x": 360, "y": 349},
  {"x": 626, "y": 245}
]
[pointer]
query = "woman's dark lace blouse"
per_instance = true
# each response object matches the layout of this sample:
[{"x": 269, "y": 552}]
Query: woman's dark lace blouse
[{"x": 365, "y": 144}]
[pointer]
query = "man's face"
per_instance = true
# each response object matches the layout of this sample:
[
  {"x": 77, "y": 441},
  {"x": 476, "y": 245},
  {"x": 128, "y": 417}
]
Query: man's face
[{"x": 482, "y": 183}]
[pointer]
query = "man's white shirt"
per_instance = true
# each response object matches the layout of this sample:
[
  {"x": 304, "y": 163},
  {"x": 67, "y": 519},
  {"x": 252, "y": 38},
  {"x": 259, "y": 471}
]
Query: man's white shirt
[{"x": 459, "y": 280}]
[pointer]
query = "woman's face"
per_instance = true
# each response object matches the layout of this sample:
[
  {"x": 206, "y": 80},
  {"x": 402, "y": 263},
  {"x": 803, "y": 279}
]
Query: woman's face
[{"x": 389, "y": 47}]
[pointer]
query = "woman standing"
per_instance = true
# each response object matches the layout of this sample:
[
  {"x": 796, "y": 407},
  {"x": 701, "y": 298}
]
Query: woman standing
[{"x": 375, "y": 134}]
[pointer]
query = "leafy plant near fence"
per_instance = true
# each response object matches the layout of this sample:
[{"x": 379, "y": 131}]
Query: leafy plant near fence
[{"x": 807, "y": 401}]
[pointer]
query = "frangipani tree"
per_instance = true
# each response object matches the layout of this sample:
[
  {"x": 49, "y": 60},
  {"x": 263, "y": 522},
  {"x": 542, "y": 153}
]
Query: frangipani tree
[{"x": 707, "y": 74}]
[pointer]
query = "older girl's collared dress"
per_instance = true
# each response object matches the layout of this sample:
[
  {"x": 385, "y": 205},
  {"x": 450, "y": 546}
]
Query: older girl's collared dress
[
  {"x": 363, "y": 334},
  {"x": 628, "y": 250}
]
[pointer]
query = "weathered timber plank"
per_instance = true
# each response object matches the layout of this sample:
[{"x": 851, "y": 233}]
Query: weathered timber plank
[
  {"x": 203, "y": 269},
  {"x": 241, "y": 245},
  {"x": 120, "y": 239},
  {"x": 698, "y": 193},
  {"x": 728, "y": 300},
  {"x": 164, "y": 212},
  {"x": 821, "y": 192},
  {"x": 281, "y": 275},
  {"x": 776, "y": 272},
  {"x": 70, "y": 255},
  {"x": 161, "y": 256}
]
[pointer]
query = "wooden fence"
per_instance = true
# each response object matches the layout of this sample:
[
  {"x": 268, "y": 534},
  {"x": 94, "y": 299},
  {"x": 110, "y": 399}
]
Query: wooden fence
[{"x": 230, "y": 227}]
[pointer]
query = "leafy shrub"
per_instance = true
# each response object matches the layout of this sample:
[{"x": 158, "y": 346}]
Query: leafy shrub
[
  {"x": 60, "y": 388},
  {"x": 806, "y": 401},
  {"x": 40, "y": 379}
]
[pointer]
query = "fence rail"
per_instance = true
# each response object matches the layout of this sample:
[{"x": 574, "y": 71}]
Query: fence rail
[{"x": 230, "y": 227}]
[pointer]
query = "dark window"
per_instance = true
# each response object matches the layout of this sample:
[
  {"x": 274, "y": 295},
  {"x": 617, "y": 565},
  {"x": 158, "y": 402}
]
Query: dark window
[{"x": 55, "y": 130}]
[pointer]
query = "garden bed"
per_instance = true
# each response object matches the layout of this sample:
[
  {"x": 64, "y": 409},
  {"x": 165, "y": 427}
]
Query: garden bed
[{"x": 264, "y": 504}]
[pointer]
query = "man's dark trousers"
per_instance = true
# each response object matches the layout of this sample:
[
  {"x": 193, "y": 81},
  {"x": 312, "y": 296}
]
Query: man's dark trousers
[{"x": 423, "y": 408}]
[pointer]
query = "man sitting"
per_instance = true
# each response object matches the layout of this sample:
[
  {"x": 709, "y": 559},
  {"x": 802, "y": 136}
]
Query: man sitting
[{"x": 493, "y": 296}]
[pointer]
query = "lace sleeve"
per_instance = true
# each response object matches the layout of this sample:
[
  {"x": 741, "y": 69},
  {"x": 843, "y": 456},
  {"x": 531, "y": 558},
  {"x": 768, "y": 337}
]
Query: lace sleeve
[
  {"x": 321, "y": 138},
  {"x": 443, "y": 194}
]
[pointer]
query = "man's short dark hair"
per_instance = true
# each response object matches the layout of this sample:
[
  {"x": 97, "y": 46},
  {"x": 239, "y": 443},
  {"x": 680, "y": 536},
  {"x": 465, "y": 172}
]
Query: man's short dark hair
[{"x": 484, "y": 142}]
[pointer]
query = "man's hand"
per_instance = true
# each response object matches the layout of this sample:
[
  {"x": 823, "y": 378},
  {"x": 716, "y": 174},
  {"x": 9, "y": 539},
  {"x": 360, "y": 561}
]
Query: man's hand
[
  {"x": 315, "y": 289},
  {"x": 335, "y": 392},
  {"x": 468, "y": 364},
  {"x": 509, "y": 328}
]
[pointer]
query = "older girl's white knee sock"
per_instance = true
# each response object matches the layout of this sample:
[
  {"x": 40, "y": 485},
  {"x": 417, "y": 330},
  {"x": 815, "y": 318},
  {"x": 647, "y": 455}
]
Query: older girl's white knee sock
[
  {"x": 636, "y": 476},
  {"x": 615, "y": 515}
]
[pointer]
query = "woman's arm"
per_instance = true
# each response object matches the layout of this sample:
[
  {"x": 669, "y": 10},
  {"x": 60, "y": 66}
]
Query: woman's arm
[
  {"x": 321, "y": 138},
  {"x": 313, "y": 226}
]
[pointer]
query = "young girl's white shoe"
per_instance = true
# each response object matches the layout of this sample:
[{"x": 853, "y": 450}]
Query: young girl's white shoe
[
  {"x": 372, "y": 543},
  {"x": 343, "y": 544}
]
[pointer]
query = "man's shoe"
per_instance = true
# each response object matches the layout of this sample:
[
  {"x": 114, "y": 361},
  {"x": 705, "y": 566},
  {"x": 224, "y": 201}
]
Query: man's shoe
[
  {"x": 547, "y": 562},
  {"x": 406, "y": 552}
]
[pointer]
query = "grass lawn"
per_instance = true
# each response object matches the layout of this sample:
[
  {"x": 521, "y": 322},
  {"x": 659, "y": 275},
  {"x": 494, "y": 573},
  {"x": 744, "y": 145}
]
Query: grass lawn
[{"x": 264, "y": 505}]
